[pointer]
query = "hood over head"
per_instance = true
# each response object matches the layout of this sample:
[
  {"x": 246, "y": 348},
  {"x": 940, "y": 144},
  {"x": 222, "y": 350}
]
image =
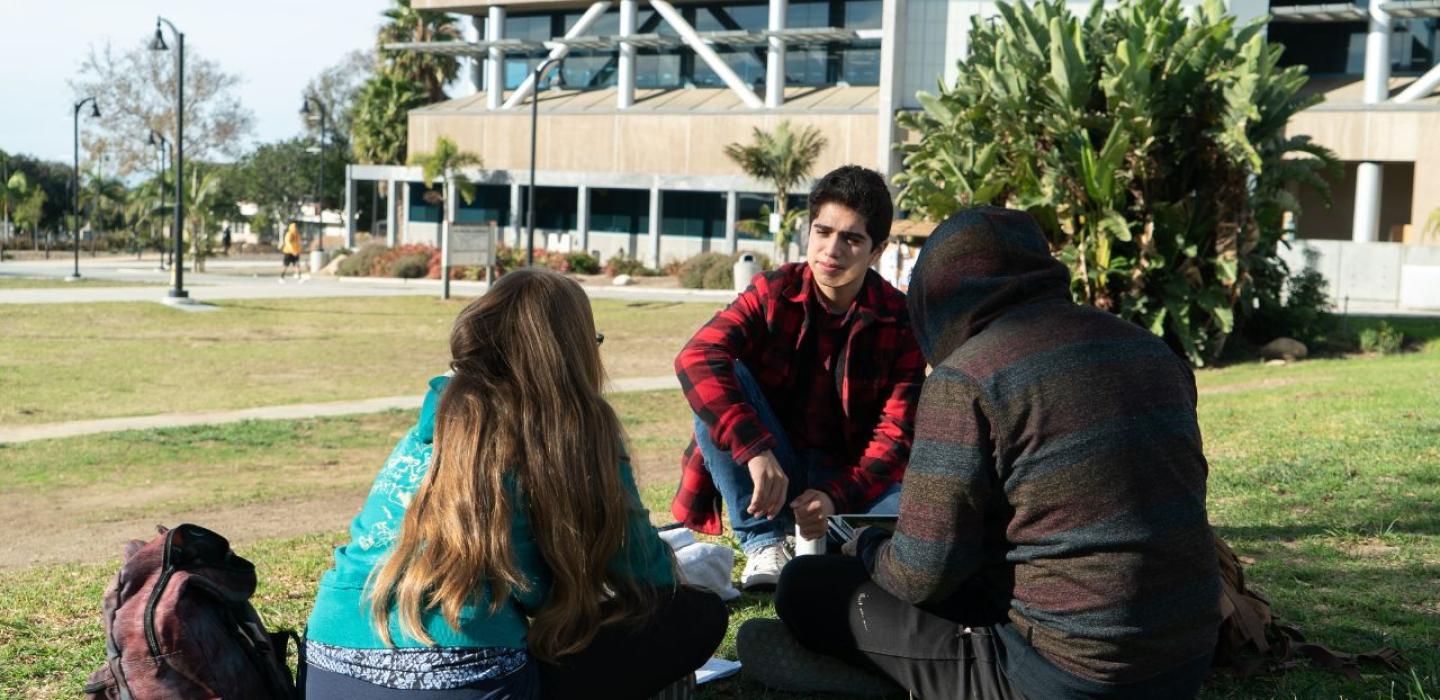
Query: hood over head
[{"x": 976, "y": 266}]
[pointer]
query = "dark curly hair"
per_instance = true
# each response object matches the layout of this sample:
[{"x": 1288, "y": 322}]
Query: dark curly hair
[{"x": 861, "y": 189}]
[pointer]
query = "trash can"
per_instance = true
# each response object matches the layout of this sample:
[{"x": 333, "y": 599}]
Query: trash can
[
  {"x": 745, "y": 268},
  {"x": 317, "y": 261}
]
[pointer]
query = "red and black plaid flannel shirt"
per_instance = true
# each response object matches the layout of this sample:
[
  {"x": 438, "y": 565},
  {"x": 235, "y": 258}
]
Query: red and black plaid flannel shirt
[{"x": 880, "y": 371}]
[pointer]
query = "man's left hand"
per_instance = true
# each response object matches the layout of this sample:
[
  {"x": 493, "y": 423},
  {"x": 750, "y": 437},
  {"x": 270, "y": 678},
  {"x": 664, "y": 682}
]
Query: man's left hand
[{"x": 812, "y": 509}]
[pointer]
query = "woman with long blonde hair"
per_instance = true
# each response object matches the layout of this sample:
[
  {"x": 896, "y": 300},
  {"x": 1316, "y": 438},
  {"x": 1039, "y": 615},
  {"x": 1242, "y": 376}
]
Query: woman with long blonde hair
[{"x": 503, "y": 551}]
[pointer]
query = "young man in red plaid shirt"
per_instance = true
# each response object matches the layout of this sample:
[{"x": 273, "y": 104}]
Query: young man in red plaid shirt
[{"x": 804, "y": 388}]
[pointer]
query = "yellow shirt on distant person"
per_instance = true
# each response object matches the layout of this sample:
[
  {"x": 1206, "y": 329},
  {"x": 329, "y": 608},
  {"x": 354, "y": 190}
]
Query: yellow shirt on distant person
[{"x": 292, "y": 242}]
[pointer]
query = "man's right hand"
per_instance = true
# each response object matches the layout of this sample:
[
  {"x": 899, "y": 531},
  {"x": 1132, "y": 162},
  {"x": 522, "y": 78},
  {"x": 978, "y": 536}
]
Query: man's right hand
[{"x": 771, "y": 485}]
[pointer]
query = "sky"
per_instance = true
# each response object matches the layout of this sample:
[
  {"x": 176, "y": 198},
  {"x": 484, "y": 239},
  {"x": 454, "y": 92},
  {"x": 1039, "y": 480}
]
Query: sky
[{"x": 274, "y": 46}]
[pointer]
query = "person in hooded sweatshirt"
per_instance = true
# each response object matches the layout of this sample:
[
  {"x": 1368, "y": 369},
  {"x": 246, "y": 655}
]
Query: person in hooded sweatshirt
[{"x": 1052, "y": 540}]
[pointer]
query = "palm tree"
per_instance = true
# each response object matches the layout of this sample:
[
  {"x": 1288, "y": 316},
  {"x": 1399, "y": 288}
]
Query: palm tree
[
  {"x": 30, "y": 211},
  {"x": 407, "y": 24},
  {"x": 444, "y": 164},
  {"x": 102, "y": 195},
  {"x": 144, "y": 204},
  {"x": 380, "y": 126},
  {"x": 785, "y": 158},
  {"x": 201, "y": 200},
  {"x": 12, "y": 191}
]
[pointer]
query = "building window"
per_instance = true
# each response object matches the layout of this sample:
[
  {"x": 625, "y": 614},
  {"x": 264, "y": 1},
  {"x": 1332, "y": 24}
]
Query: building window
[
  {"x": 854, "y": 63},
  {"x": 422, "y": 211},
  {"x": 555, "y": 207},
  {"x": 491, "y": 203},
  {"x": 699, "y": 214},
  {"x": 619, "y": 211}
]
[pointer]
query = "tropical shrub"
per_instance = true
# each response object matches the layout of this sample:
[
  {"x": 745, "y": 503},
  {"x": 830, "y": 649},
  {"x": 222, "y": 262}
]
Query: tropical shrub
[
  {"x": 384, "y": 265},
  {"x": 361, "y": 262},
  {"x": 1149, "y": 142},
  {"x": 411, "y": 266},
  {"x": 581, "y": 263},
  {"x": 622, "y": 264},
  {"x": 693, "y": 271},
  {"x": 715, "y": 270},
  {"x": 1383, "y": 339}
]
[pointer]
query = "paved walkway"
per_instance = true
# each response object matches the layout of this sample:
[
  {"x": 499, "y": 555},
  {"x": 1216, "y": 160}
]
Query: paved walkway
[
  {"x": 252, "y": 279},
  {"x": 46, "y": 431}
]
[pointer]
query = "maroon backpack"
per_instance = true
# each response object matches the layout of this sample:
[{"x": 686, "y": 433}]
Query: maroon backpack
[{"x": 179, "y": 626}]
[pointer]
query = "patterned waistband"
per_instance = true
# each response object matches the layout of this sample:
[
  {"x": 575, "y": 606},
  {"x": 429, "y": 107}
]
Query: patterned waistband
[{"x": 424, "y": 668}]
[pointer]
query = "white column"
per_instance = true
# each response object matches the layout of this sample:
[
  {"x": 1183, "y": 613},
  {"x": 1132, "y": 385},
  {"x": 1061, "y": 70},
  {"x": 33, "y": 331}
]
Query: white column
[
  {"x": 392, "y": 218},
  {"x": 732, "y": 212},
  {"x": 349, "y": 209},
  {"x": 516, "y": 215},
  {"x": 625, "y": 81},
  {"x": 471, "y": 71},
  {"x": 656, "y": 211},
  {"x": 582, "y": 216},
  {"x": 775, "y": 57},
  {"x": 892, "y": 81},
  {"x": 1368, "y": 175},
  {"x": 404, "y": 212},
  {"x": 495, "y": 64},
  {"x": 1366, "y": 226}
]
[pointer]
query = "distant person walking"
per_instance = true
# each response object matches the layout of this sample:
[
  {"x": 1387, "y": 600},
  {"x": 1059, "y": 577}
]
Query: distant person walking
[
  {"x": 291, "y": 249},
  {"x": 225, "y": 241}
]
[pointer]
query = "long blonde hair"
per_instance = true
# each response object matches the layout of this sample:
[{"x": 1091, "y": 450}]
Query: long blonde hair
[{"x": 524, "y": 403}]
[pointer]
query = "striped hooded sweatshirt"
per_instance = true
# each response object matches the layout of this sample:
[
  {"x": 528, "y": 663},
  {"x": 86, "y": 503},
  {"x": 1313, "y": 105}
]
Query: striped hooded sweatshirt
[{"x": 1056, "y": 452}]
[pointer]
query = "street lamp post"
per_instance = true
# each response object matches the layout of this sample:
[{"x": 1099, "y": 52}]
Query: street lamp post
[
  {"x": 177, "y": 262},
  {"x": 320, "y": 199},
  {"x": 161, "y": 144},
  {"x": 534, "y": 122},
  {"x": 75, "y": 184}
]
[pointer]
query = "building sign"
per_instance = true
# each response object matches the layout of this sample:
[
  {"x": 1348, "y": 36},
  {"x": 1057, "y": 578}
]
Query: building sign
[{"x": 472, "y": 244}]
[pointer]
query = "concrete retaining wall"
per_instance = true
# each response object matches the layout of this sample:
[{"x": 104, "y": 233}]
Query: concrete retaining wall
[{"x": 1373, "y": 276}]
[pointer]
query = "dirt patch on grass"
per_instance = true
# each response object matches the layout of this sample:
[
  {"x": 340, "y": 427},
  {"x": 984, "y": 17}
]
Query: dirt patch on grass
[
  {"x": 73, "y": 529},
  {"x": 93, "y": 526},
  {"x": 1249, "y": 386}
]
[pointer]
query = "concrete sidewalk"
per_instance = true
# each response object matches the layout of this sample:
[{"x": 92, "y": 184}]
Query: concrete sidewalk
[
  {"x": 47, "y": 431},
  {"x": 211, "y": 286}
]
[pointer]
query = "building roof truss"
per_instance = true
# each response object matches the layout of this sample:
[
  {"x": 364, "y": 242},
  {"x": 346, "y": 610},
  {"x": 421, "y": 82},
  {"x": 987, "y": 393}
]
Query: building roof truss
[
  {"x": 1411, "y": 9},
  {"x": 467, "y": 48},
  {"x": 1345, "y": 12}
]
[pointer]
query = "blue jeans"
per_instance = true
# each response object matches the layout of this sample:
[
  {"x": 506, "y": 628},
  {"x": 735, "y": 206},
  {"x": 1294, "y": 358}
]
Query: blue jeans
[{"x": 803, "y": 472}]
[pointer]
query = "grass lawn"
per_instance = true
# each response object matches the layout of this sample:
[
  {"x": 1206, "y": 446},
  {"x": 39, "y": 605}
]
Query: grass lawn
[
  {"x": 53, "y": 283},
  {"x": 1327, "y": 473},
  {"x": 64, "y": 362}
]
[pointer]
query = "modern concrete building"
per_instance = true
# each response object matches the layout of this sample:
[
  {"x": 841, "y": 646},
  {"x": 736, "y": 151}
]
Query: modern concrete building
[{"x": 642, "y": 96}]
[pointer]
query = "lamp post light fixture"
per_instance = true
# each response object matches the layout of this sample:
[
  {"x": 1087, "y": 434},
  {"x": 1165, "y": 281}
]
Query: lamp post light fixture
[
  {"x": 320, "y": 198},
  {"x": 177, "y": 262},
  {"x": 534, "y": 121},
  {"x": 161, "y": 144},
  {"x": 75, "y": 183}
]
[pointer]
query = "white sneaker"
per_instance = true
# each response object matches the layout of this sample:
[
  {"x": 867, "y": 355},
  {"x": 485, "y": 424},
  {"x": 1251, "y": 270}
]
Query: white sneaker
[{"x": 762, "y": 568}]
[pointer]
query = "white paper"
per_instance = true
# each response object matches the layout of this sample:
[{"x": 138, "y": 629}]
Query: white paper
[{"x": 716, "y": 668}]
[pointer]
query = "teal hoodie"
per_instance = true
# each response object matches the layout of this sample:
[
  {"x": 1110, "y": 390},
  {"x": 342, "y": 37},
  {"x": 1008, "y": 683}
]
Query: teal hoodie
[{"x": 341, "y": 616}]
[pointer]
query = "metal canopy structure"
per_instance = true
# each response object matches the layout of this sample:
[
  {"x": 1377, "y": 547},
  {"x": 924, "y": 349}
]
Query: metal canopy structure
[
  {"x": 1346, "y": 12},
  {"x": 1412, "y": 9},
  {"x": 810, "y": 36},
  {"x": 477, "y": 49}
]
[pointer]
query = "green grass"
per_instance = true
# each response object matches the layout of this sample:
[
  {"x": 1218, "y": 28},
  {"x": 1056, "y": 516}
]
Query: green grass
[
  {"x": 65, "y": 362},
  {"x": 1326, "y": 473},
  {"x": 53, "y": 283}
]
